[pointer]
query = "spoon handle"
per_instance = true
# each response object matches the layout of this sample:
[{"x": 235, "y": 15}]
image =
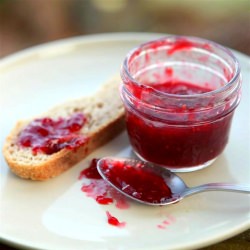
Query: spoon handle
[{"x": 217, "y": 187}]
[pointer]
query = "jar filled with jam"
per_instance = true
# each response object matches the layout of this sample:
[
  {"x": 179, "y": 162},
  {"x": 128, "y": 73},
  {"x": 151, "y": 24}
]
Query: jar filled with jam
[{"x": 180, "y": 94}]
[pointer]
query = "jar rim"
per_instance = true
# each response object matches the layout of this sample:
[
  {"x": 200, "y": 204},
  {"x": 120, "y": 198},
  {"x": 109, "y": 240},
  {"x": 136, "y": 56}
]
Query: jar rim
[{"x": 198, "y": 40}]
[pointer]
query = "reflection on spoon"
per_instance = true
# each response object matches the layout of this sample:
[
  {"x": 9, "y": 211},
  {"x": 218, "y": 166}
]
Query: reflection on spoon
[{"x": 151, "y": 184}]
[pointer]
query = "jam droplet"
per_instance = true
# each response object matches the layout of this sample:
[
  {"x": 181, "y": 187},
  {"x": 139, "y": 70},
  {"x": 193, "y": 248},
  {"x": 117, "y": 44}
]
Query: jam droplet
[
  {"x": 114, "y": 221},
  {"x": 103, "y": 200},
  {"x": 48, "y": 136}
]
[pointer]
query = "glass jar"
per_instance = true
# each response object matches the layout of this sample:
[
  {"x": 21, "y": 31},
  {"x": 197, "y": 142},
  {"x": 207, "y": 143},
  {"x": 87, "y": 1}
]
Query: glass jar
[{"x": 180, "y": 94}]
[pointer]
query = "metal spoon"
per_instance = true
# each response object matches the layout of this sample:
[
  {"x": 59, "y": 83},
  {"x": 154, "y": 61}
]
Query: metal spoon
[{"x": 177, "y": 186}]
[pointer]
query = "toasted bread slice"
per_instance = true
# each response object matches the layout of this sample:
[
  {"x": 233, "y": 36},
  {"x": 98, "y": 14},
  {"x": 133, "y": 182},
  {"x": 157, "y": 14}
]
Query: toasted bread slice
[{"x": 105, "y": 119}]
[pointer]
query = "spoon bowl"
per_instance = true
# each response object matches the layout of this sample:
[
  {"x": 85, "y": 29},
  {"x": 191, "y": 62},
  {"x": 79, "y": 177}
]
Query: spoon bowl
[{"x": 151, "y": 184}]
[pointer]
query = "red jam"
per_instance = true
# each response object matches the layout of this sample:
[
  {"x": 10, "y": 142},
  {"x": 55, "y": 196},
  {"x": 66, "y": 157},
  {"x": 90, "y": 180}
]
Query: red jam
[
  {"x": 182, "y": 145},
  {"x": 114, "y": 221},
  {"x": 100, "y": 190},
  {"x": 91, "y": 172},
  {"x": 181, "y": 44},
  {"x": 48, "y": 136},
  {"x": 180, "y": 88},
  {"x": 137, "y": 181},
  {"x": 180, "y": 94}
]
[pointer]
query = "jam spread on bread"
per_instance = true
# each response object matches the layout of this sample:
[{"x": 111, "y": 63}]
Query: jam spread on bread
[{"x": 48, "y": 136}]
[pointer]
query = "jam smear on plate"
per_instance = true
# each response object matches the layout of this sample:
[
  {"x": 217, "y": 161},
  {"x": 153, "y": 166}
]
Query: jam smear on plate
[
  {"x": 98, "y": 189},
  {"x": 95, "y": 187}
]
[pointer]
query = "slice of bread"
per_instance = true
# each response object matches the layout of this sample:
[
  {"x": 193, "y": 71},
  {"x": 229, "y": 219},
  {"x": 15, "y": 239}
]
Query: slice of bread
[{"x": 105, "y": 119}]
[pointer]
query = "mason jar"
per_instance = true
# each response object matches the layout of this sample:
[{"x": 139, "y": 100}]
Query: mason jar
[{"x": 180, "y": 94}]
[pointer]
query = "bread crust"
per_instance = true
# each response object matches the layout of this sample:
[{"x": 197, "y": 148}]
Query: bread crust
[{"x": 61, "y": 161}]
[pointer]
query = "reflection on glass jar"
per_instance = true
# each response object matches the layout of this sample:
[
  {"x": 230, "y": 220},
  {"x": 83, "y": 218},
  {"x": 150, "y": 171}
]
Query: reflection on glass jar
[{"x": 180, "y": 94}]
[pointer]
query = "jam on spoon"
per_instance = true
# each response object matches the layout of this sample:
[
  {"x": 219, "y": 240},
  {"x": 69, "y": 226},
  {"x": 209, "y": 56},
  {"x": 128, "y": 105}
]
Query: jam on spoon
[{"x": 151, "y": 184}]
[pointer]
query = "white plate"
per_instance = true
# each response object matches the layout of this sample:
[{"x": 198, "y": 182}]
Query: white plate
[{"x": 55, "y": 214}]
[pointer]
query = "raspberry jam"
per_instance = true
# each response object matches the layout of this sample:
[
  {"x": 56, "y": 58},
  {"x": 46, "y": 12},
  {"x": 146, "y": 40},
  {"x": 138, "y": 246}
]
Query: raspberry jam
[
  {"x": 48, "y": 136},
  {"x": 100, "y": 190},
  {"x": 178, "y": 145},
  {"x": 180, "y": 88},
  {"x": 136, "y": 181},
  {"x": 96, "y": 188},
  {"x": 91, "y": 172},
  {"x": 114, "y": 221},
  {"x": 180, "y": 94}
]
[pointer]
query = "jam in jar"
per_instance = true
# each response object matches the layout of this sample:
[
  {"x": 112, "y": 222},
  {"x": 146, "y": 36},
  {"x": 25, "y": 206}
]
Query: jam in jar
[{"x": 180, "y": 94}]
